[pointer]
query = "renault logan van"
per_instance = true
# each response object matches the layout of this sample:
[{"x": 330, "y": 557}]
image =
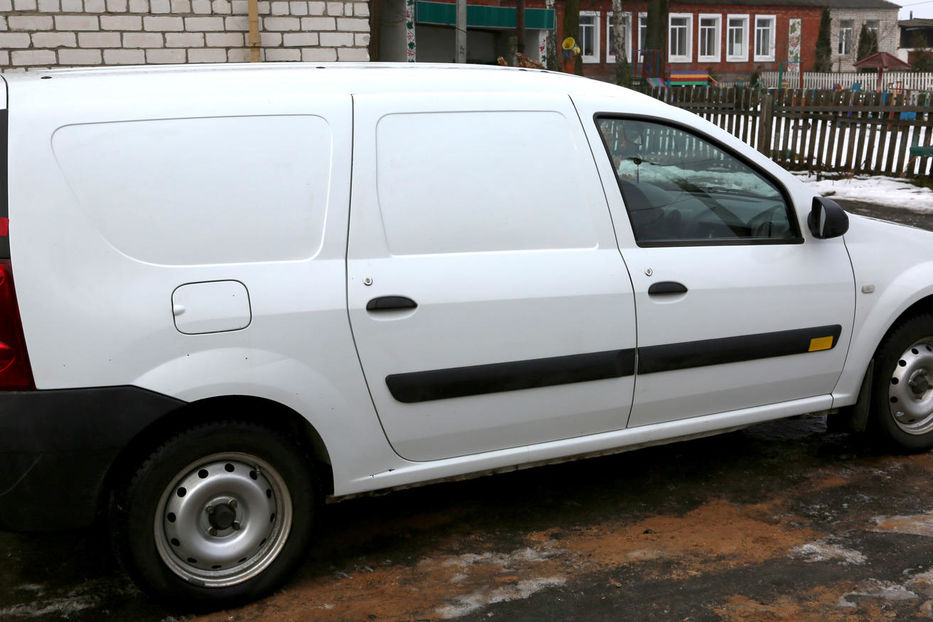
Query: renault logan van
[{"x": 229, "y": 293}]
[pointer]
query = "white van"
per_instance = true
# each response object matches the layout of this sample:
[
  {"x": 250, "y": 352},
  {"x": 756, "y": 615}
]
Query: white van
[{"x": 242, "y": 290}]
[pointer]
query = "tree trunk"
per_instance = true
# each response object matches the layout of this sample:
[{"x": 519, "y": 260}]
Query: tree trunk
[
  {"x": 656, "y": 37},
  {"x": 623, "y": 68},
  {"x": 520, "y": 27},
  {"x": 551, "y": 49},
  {"x": 572, "y": 29}
]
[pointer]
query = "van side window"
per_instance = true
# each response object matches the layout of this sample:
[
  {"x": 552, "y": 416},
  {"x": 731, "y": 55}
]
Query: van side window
[
  {"x": 454, "y": 182},
  {"x": 679, "y": 188}
]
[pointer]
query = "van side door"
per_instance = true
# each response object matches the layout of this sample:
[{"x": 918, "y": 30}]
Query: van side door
[{"x": 489, "y": 302}]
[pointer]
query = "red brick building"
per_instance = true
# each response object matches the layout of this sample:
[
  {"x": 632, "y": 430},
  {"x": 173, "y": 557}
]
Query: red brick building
[
  {"x": 729, "y": 41},
  {"x": 733, "y": 40}
]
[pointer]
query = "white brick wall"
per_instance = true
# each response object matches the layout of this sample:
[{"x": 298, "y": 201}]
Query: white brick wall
[
  {"x": 48, "y": 33},
  {"x": 887, "y": 33}
]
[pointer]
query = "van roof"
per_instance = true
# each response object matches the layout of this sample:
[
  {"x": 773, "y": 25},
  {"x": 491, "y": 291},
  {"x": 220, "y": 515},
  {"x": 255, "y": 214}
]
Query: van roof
[{"x": 342, "y": 77}]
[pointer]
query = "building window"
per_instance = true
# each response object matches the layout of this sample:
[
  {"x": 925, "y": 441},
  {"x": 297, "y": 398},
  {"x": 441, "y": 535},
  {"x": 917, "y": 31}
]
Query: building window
[
  {"x": 765, "y": 26},
  {"x": 710, "y": 29},
  {"x": 626, "y": 37},
  {"x": 846, "y": 27},
  {"x": 873, "y": 25},
  {"x": 737, "y": 38},
  {"x": 680, "y": 48},
  {"x": 589, "y": 36}
]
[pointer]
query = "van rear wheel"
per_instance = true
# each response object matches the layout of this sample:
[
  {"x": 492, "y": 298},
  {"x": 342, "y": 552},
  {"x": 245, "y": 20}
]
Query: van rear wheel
[{"x": 217, "y": 515}]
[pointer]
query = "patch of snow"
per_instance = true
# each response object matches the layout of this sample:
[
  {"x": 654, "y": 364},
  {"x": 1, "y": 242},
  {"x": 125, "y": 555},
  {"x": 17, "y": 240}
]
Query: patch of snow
[
  {"x": 504, "y": 560},
  {"x": 821, "y": 551},
  {"x": 921, "y": 583},
  {"x": 918, "y": 525},
  {"x": 873, "y": 189},
  {"x": 64, "y": 607},
  {"x": 469, "y": 603},
  {"x": 873, "y": 588}
]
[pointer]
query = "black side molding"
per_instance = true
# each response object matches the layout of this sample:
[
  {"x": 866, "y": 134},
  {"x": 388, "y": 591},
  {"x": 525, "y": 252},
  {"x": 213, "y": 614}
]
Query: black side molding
[
  {"x": 423, "y": 386},
  {"x": 674, "y": 356}
]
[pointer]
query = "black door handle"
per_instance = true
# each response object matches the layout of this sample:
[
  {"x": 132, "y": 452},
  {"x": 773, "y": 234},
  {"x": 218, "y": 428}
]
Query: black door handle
[
  {"x": 665, "y": 288},
  {"x": 390, "y": 303}
]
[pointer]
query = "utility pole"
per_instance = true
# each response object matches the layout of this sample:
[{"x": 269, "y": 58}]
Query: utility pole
[
  {"x": 460, "y": 36},
  {"x": 253, "y": 39}
]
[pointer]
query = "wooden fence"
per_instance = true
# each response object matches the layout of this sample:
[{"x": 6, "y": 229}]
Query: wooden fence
[
  {"x": 897, "y": 80},
  {"x": 829, "y": 131}
]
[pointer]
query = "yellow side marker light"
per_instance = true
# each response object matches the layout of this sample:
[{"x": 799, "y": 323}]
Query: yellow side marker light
[{"x": 821, "y": 343}]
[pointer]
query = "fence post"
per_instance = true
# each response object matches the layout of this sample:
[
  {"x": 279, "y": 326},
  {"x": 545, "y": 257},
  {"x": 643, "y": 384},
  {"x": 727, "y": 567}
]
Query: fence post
[{"x": 765, "y": 116}]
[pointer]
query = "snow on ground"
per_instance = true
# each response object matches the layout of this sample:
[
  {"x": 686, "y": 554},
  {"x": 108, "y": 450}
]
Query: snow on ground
[{"x": 874, "y": 189}]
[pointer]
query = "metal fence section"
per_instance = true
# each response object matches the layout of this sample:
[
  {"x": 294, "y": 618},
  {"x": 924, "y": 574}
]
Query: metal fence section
[
  {"x": 893, "y": 80},
  {"x": 826, "y": 130}
]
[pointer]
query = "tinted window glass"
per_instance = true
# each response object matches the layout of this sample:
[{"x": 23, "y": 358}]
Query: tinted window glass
[{"x": 680, "y": 188}]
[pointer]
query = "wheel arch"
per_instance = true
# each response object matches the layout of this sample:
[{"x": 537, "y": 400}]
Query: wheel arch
[
  {"x": 921, "y": 306},
  {"x": 854, "y": 417},
  {"x": 247, "y": 408}
]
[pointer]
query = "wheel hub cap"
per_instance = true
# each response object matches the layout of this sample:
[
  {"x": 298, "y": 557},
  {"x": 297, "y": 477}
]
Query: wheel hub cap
[
  {"x": 910, "y": 394},
  {"x": 919, "y": 383},
  {"x": 223, "y": 520},
  {"x": 221, "y": 516}
]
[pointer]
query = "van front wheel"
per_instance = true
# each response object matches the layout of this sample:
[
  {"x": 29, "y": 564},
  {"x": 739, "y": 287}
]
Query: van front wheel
[
  {"x": 218, "y": 515},
  {"x": 902, "y": 395}
]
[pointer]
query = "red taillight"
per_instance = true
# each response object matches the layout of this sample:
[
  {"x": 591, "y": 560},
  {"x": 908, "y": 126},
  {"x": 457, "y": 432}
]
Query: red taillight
[{"x": 15, "y": 372}]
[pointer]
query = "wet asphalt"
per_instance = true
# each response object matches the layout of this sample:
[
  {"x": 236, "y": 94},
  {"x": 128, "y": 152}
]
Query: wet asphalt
[{"x": 780, "y": 521}]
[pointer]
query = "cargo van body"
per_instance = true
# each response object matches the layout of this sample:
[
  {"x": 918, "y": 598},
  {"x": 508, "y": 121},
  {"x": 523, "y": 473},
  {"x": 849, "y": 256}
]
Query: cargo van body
[{"x": 247, "y": 289}]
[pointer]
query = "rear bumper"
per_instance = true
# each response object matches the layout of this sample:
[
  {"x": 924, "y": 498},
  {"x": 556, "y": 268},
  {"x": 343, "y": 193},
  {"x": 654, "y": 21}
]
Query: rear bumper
[{"x": 56, "y": 448}]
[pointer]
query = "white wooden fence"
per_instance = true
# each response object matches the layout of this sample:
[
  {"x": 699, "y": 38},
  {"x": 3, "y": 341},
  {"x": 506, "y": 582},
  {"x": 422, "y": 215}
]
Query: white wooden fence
[{"x": 868, "y": 81}]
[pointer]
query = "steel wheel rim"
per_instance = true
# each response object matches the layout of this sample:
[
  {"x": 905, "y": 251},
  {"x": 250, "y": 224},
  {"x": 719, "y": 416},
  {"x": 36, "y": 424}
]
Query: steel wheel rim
[
  {"x": 223, "y": 519},
  {"x": 910, "y": 391}
]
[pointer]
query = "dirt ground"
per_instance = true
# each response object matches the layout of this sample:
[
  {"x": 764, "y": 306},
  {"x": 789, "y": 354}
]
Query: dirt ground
[{"x": 781, "y": 521}]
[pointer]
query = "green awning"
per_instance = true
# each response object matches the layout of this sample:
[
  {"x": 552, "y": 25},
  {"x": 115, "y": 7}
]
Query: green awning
[{"x": 480, "y": 16}]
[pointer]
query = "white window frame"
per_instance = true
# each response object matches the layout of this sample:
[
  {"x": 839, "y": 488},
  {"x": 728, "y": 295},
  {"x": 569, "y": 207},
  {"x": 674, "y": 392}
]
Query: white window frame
[
  {"x": 737, "y": 58},
  {"x": 772, "y": 38},
  {"x": 642, "y": 16},
  {"x": 591, "y": 58},
  {"x": 717, "y": 38},
  {"x": 680, "y": 58},
  {"x": 610, "y": 57},
  {"x": 850, "y": 40}
]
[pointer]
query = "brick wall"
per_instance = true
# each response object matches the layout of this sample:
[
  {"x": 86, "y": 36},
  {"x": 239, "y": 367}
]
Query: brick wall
[{"x": 48, "y": 33}]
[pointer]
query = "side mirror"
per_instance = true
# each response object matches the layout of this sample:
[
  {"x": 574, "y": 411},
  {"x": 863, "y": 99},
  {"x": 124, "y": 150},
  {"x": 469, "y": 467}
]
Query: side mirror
[{"x": 827, "y": 219}]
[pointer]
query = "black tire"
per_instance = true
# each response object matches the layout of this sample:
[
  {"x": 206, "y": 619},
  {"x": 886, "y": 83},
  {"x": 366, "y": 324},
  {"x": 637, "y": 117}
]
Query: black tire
[
  {"x": 902, "y": 391},
  {"x": 242, "y": 497}
]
